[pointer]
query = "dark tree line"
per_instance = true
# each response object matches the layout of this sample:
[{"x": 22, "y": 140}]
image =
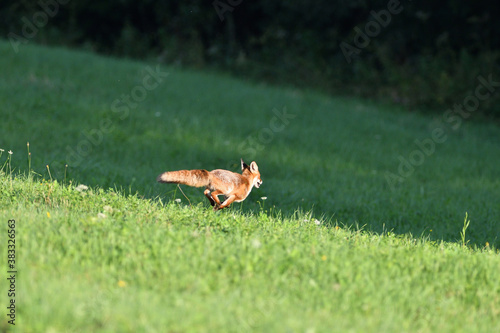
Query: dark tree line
[{"x": 417, "y": 53}]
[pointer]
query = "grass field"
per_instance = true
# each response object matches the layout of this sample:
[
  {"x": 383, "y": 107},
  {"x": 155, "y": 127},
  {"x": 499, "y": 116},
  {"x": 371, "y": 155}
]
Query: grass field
[{"x": 358, "y": 226}]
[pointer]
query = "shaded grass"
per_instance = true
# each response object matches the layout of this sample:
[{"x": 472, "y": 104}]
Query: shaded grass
[{"x": 333, "y": 157}]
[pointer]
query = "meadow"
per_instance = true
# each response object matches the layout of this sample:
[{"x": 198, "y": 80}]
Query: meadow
[{"x": 360, "y": 224}]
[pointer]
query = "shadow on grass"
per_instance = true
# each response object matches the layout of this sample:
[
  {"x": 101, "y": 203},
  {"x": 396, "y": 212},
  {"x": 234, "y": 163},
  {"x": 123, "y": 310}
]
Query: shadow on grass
[
  {"x": 373, "y": 207},
  {"x": 306, "y": 181}
]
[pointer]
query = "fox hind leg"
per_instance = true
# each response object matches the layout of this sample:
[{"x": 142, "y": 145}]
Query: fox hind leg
[
  {"x": 209, "y": 197},
  {"x": 214, "y": 195}
]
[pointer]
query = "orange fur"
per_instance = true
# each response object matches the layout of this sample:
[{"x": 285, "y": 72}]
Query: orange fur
[{"x": 233, "y": 186}]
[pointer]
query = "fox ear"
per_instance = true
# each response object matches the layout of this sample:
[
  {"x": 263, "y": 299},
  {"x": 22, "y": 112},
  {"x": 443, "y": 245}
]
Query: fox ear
[
  {"x": 253, "y": 167},
  {"x": 243, "y": 165}
]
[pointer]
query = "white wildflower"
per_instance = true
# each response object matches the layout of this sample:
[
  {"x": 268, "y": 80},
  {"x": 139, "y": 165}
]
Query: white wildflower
[{"x": 81, "y": 188}]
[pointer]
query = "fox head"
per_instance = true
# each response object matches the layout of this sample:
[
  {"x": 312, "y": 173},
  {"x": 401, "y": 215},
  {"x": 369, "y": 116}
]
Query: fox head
[{"x": 252, "y": 171}]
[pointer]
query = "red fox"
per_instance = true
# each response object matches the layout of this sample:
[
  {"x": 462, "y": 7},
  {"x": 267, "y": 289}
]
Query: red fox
[{"x": 233, "y": 186}]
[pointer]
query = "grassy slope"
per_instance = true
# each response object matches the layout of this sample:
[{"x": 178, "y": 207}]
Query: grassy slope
[
  {"x": 191, "y": 270},
  {"x": 273, "y": 270},
  {"x": 333, "y": 156}
]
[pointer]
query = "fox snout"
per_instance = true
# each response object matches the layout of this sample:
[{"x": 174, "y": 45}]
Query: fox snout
[{"x": 258, "y": 182}]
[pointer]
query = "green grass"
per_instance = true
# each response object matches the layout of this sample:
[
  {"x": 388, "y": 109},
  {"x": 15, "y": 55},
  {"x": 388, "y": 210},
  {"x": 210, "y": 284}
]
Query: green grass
[{"x": 334, "y": 247}]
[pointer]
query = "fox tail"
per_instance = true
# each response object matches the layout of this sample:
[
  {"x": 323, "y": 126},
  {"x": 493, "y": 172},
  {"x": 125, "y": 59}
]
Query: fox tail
[{"x": 195, "y": 178}]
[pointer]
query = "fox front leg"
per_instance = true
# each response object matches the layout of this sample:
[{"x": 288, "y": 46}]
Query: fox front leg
[{"x": 226, "y": 203}]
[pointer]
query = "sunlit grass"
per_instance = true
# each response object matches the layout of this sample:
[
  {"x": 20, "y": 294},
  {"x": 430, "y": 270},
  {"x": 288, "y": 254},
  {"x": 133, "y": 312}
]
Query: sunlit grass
[{"x": 98, "y": 258}]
